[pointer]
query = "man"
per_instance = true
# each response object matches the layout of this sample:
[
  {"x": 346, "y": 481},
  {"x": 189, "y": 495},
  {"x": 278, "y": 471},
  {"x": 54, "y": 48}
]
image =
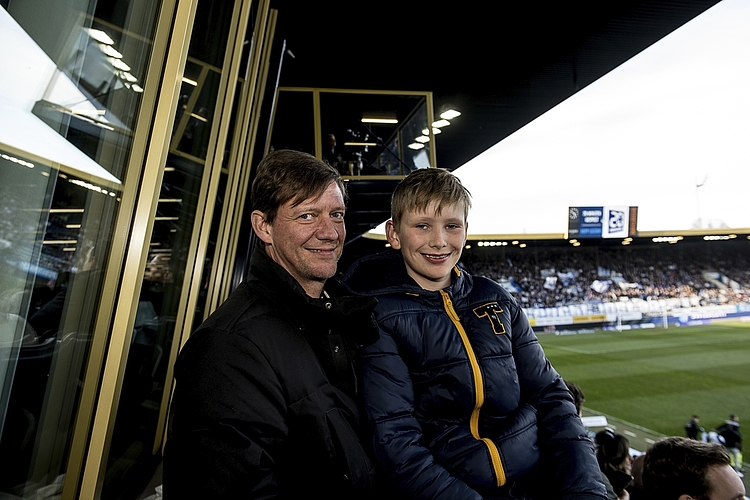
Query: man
[
  {"x": 332, "y": 154},
  {"x": 264, "y": 399},
  {"x": 692, "y": 427},
  {"x": 730, "y": 432},
  {"x": 677, "y": 468}
]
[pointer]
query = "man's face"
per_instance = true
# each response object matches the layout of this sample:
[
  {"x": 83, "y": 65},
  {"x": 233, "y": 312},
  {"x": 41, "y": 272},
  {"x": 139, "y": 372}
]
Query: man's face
[
  {"x": 307, "y": 239},
  {"x": 724, "y": 483},
  {"x": 431, "y": 244}
]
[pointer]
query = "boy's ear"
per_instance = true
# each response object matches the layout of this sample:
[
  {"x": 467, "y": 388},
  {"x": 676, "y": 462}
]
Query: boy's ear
[
  {"x": 261, "y": 227},
  {"x": 392, "y": 235}
]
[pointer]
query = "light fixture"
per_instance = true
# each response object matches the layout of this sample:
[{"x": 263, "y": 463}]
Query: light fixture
[
  {"x": 110, "y": 51},
  {"x": 372, "y": 119},
  {"x": 189, "y": 81},
  {"x": 361, "y": 144},
  {"x": 422, "y": 139},
  {"x": 117, "y": 63},
  {"x": 450, "y": 114},
  {"x": 719, "y": 237},
  {"x": 199, "y": 117},
  {"x": 100, "y": 36},
  {"x": 415, "y": 145},
  {"x": 441, "y": 123},
  {"x": 666, "y": 239},
  {"x": 59, "y": 242},
  {"x": 435, "y": 131}
]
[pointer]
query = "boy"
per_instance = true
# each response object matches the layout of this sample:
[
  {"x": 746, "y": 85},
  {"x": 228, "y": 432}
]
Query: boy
[{"x": 461, "y": 399}]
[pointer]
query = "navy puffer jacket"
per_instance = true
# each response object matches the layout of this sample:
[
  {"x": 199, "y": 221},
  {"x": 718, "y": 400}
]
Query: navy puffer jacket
[{"x": 460, "y": 396}]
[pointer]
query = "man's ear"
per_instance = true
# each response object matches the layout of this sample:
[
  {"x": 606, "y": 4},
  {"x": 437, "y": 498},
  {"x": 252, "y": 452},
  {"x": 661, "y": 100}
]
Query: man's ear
[
  {"x": 261, "y": 227},
  {"x": 392, "y": 235}
]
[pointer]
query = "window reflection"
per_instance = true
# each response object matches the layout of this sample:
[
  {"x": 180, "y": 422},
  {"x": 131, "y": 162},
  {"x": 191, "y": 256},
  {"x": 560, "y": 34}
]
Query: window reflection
[{"x": 68, "y": 109}]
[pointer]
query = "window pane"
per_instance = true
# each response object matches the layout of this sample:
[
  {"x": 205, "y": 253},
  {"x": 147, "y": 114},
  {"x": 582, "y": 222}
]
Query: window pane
[{"x": 68, "y": 109}]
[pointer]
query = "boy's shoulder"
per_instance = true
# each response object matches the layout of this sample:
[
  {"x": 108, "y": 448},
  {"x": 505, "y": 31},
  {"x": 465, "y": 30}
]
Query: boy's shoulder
[{"x": 486, "y": 288}]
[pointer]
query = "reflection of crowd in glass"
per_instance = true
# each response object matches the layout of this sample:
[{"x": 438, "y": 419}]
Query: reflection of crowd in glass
[{"x": 651, "y": 273}]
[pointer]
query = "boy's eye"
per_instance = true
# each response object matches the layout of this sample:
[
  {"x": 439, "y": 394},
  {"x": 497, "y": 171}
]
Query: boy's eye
[
  {"x": 421, "y": 226},
  {"x": 453, "y": 226}
]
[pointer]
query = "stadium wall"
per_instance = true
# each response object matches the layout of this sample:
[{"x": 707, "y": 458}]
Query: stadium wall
[{"x": 560, "y": 319}]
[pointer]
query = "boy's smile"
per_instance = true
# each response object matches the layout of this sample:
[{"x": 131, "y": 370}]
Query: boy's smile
[{"x": 430, "y": 243}]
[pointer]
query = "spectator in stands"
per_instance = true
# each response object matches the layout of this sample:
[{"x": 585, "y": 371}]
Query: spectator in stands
[
  {"x": 578, "y": 400},
  {"x": 613, "y": 455},
  {"x": 730, "y": 431},
  {"x": 677, "y": 468},
  {"x": 578, "y": 396},
  {"x": 462, "y": 400},
  {"x": 692, "y": 429}
]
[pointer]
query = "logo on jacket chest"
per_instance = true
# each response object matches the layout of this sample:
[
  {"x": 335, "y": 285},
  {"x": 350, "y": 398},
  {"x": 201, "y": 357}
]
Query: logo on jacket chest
[{"x": 491, "y": 311}]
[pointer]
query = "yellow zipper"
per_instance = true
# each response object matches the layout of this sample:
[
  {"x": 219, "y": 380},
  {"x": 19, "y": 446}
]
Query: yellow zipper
[{"x": 478, "y": 390}]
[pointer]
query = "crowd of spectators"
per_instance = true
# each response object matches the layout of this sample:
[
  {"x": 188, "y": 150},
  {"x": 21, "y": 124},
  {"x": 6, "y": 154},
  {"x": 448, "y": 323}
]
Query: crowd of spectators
[{"x": 702, "y": 274}]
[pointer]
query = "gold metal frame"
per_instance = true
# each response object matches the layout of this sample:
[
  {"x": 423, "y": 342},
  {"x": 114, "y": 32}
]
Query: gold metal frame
[
  {"x": 124, "y": 272},
  {"x": 316, "y": 91}
]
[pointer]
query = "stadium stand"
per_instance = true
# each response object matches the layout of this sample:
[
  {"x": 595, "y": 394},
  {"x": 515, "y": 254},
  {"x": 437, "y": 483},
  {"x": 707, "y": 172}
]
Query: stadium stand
[{"x": 620, "y": 282}]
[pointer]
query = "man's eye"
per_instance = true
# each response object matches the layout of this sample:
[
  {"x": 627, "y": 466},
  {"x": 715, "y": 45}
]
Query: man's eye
[
  {"x": 338, "y": 215},
  {"x": 306, "y": 216}
]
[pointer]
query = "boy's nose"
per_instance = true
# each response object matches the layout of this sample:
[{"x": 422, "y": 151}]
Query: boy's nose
[{"x": 437, "y": 239}]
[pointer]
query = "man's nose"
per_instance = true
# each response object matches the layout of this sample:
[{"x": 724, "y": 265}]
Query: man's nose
[{"x": 329, "y": 229}]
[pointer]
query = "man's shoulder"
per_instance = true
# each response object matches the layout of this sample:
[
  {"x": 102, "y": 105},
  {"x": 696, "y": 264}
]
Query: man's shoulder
[{"x": 250, "y": 303}]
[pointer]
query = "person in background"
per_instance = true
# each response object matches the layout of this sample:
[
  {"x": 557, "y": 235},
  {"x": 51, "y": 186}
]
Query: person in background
[
  {"x": 462, "y": 401},
  {"x": 730, "y": 431},
  {"x": 615, "y": 462},
  {"x": 265, "y": 396},
  {"x": 677, "y": 468},
  {"x": 332, "y": 154},
  {"x": 692, "y": 428}
]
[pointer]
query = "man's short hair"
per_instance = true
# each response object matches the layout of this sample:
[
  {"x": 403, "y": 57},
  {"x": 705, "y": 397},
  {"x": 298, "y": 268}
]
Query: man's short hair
[
  {"x": 287, "y": 175},
  {"x": 677, "y": 466},
  {"x": 424, "y": 186}
]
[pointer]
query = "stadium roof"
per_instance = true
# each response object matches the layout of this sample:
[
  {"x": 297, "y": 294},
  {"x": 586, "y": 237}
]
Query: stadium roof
[
  {"x": 545, "y": 123},
  {"x": 666, "y": 131}
]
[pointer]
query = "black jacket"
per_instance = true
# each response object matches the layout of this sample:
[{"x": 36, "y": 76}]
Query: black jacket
[
  {"x": 264, "y": 398},
  {"x": 462, "y": 400}
]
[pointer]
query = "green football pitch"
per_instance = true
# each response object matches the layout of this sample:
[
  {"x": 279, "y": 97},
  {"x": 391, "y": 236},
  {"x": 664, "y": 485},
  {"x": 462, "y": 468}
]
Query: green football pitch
[{"x": 656, "y": 379}]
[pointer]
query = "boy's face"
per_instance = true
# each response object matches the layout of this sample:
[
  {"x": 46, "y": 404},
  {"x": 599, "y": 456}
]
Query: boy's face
[{"x": 431, "y": 244}]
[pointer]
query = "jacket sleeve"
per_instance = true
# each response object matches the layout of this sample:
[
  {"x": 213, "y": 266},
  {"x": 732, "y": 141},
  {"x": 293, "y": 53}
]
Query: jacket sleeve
[
  {"x": 389, "y": 401},
  {"x": 568, "y": 460},
  {"x": 227, "y": 418}
]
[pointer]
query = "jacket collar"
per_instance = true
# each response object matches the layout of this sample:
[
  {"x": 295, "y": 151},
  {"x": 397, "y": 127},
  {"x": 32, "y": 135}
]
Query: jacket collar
[
  {"x": 341, "y": 308},
  {"x": 385, "y": 273}
]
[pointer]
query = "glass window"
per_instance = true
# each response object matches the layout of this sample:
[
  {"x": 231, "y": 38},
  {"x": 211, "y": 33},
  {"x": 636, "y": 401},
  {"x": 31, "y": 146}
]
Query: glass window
[{"x": 70, "y": 95}]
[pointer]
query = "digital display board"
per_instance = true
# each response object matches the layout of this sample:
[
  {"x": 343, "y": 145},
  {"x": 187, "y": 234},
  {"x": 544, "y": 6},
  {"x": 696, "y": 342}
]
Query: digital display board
[{"x": 602, "y": 222}]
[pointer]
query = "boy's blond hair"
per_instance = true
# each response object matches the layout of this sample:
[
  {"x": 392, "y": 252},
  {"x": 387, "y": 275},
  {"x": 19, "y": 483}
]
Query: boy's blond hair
[{"x": 427, "y": 185}]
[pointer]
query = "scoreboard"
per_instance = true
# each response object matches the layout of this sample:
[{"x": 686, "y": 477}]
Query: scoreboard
[{"x": 602, "y": 222}]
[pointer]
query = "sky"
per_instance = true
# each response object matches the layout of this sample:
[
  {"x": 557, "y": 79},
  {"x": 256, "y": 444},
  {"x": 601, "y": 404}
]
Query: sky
[{"x": 647, "y": 134}]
